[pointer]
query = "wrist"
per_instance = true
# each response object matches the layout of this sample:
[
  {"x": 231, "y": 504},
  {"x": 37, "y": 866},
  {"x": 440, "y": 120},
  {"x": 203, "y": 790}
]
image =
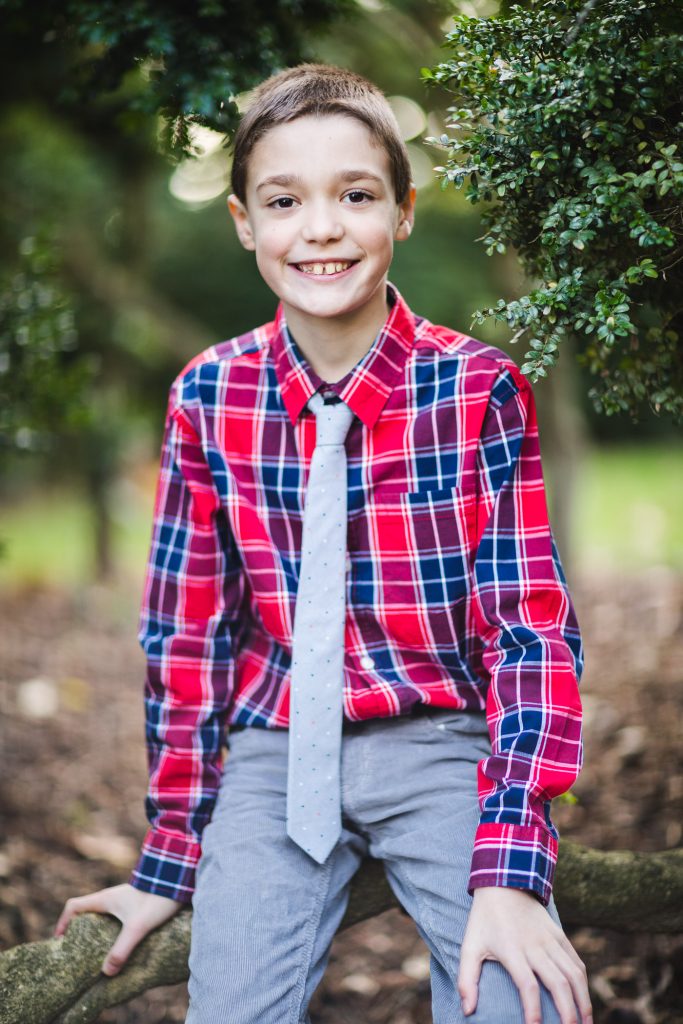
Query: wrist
[{"x": 492, "y": 893}]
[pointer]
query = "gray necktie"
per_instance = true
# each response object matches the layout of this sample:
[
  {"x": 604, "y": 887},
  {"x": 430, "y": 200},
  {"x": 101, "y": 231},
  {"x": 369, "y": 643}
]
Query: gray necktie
[{"x": 316, "y": 700}]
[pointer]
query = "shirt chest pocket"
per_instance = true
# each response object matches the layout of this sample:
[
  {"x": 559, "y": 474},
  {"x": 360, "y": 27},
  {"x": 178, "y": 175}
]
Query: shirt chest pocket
[{"x": 413, "y": 548}]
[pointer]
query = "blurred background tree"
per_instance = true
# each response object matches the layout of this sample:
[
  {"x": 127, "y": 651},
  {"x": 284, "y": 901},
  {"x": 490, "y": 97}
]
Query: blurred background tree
[{"x": 92, "y": 91}]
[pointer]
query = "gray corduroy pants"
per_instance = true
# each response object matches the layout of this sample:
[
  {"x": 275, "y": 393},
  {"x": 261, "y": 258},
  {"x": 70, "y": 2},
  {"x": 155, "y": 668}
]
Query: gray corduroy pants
[{"x": 265, "y": 913}]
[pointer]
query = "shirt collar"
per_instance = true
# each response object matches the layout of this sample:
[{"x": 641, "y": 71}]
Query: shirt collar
[{"x": 366, "y": 387}]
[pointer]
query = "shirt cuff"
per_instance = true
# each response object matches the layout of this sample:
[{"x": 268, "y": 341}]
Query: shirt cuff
[
  {"x": 167, "y": 865},
  {"x": 515, "y": 856}
]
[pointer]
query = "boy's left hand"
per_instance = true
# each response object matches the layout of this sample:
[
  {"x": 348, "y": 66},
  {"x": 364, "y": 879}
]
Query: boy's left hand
[{"x": 511, "y": 926}]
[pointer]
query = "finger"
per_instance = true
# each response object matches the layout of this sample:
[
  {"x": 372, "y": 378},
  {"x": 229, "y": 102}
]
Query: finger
[
  {"x": 79, "y": 905},
  {"x": 128, "y": 938},
  {"x": 468, "y": 977},
  {"x": 557, "y": 982},
  {"x": 529, "y": 992},
  {"x": 569, "y": 949},
  {"x": 575, "y": 971}
]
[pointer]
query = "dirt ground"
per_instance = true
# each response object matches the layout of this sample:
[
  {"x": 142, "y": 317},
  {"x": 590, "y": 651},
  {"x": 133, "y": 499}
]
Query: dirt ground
[{"x": 71, "y": 792}]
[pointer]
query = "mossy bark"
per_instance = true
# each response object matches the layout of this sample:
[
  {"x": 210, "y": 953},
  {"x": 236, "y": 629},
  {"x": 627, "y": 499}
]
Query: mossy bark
[
  {"x": 619, "y": 889},
  {"x": 59, "y": 981}
]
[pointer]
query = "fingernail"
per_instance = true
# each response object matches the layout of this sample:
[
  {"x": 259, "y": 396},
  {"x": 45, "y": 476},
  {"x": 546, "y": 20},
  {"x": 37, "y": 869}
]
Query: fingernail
[{"x": 466, "y": 1009}]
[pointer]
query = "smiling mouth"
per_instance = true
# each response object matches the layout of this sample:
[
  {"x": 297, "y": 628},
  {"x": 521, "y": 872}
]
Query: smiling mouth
[{"x": 324, "y": 268}]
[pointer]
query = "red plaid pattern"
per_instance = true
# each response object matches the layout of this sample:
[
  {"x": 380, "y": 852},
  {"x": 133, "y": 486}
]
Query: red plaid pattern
[{"x": 456, "y": 595}]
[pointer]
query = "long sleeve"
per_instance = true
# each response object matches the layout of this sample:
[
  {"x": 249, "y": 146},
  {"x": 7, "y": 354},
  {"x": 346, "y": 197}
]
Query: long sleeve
[
  {"x": 191, "y": 598},
  {"x": 532, "y": 652}
]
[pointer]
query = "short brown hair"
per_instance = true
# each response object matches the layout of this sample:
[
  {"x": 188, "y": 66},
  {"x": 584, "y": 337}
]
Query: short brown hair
[{"x": 319, "y": 89}]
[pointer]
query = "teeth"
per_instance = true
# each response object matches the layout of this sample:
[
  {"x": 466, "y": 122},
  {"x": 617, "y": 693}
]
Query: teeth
[{"x": 324, "y": 268}]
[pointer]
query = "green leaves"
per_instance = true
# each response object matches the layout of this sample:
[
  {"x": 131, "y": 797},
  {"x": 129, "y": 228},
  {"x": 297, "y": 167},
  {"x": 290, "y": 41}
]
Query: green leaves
[
  {"x": 567, "y": 122},
  {"x": 42, "y": 375},
  {"x": 187, "y": 62}
]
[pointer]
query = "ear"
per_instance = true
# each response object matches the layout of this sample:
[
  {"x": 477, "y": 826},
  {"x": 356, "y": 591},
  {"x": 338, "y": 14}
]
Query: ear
[
  {"x": 240, "y": 216},
  {"x": 406, "y": 215}
]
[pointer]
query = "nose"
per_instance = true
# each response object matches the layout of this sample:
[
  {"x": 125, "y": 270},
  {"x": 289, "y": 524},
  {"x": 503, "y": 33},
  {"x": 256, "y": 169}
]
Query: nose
[{"x": 322, "y": 223}]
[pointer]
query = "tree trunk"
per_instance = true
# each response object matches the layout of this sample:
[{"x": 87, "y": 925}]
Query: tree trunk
[
  {"x": 59, "y": 981},
  {"x": 562, "y": 434}
]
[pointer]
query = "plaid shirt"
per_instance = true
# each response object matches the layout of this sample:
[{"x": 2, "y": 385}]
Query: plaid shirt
[{"x": 455, "y": 593}]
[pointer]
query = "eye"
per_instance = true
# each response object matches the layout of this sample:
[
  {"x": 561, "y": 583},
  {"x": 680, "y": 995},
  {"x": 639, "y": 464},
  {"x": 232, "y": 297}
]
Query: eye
[
  {"x": 282, "y": 203},
  {"x": 357, "y": 196}
]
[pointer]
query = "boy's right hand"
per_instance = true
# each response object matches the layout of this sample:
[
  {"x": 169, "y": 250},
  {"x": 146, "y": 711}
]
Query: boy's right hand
[{"x": 139, "y": 913}]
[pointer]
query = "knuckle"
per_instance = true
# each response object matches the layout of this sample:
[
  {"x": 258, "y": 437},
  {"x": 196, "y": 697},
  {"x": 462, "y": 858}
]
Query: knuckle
[{"x": 579, "y": 973}]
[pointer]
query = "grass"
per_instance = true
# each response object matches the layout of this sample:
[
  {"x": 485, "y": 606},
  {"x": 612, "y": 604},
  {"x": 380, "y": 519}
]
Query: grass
[
  {"x": 48, "y": 537},
  {"x": 628, "y": 515},
  {"x": 629, "y": 508}
]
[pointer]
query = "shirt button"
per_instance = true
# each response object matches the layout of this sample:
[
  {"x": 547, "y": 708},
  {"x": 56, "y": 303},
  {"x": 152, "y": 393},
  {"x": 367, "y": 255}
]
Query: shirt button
[{"x": 367, "y": 662}]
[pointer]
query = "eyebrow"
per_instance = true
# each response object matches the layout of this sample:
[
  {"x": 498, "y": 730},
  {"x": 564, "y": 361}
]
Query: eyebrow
[
  {"x": 348, "y": 176},
  {"x": 353, "y": 175}
]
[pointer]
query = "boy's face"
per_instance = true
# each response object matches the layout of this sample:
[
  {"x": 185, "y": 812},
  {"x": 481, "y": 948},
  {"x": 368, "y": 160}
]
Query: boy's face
[{"x": 321, "y": 216}]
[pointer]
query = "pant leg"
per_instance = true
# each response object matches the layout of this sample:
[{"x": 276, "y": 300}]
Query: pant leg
[
  {"x": 421, "y": 820},
  {"x": 264, "y": 912}
]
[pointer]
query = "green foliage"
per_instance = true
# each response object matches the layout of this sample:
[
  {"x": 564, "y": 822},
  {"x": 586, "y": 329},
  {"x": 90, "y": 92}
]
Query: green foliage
[
  {"x": 86, "y": 84},
  {"x": 193, "y": 59},
  {"x": 567, "y": 123},
  {"x": 42, "y": 379},
  {"x": 57, "y": 350}
]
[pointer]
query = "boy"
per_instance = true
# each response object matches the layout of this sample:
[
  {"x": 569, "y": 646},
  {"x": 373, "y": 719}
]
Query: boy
[{"x": 427, "y": 650}]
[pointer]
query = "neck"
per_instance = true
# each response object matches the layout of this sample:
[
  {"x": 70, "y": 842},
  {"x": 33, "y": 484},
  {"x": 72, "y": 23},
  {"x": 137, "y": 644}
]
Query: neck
[{"x": 334, "y": 345}]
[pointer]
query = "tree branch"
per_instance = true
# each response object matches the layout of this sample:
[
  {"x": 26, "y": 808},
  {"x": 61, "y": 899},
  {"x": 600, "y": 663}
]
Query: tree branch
[{"x": 59, "y": 981}]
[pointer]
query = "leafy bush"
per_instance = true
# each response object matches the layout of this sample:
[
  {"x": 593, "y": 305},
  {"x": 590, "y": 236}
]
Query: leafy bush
[{"x": 568, "y": 123}]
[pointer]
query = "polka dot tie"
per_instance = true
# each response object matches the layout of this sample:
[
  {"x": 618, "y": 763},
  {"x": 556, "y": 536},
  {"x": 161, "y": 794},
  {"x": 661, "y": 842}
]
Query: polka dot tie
[{"x": 316, "y": 696}]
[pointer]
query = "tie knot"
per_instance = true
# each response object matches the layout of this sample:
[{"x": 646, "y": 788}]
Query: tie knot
[{"x": 332, "y": 420}]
